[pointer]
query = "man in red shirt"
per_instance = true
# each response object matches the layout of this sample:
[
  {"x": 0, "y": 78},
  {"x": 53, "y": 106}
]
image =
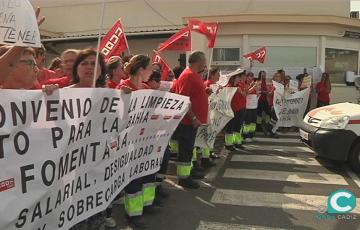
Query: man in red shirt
[
  {"x": 190, "y": 84},
  {"x": 23, "y": 74}
]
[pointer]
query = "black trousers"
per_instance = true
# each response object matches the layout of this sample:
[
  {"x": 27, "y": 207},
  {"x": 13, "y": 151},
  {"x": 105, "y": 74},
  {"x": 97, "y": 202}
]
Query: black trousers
[
  {"x": 165, "y": 161},
  {"x": 186, "y": 135},
  {"x": 263, "y": 106},
  {"x": 235, "y": 124},
  {"x": 250, "y": 118}
]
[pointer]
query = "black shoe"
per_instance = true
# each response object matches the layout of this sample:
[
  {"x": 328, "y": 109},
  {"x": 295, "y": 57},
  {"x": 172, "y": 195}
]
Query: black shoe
[
  {"x": 161, "y": 192},
  {"x": 239, "y": 147},
  {"x": 151, "y": 209},
  {"x": 196, "y": 174},
  {"x": 207, "y": 163},
  {"x": 189, "y": 183},
  {"x": 214, "y": 156},
  {"x": 230, "y": 148},
  {"x": 137, "y": 222}
]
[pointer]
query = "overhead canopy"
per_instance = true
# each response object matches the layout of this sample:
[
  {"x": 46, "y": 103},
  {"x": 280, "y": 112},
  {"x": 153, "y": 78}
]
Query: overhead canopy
[{"x": 76, "y": 18}]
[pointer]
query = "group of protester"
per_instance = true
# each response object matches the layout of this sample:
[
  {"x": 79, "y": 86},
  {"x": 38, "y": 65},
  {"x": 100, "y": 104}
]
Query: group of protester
[{"x": 24, "y": 68}]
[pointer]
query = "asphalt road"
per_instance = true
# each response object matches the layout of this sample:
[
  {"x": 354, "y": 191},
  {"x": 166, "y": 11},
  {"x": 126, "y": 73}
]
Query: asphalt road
[{"x": 273, "y": 184}]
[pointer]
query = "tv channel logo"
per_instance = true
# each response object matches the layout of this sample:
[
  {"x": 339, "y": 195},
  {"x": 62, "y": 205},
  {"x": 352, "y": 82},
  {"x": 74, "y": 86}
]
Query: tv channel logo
[{"x": 341, "y": 201}]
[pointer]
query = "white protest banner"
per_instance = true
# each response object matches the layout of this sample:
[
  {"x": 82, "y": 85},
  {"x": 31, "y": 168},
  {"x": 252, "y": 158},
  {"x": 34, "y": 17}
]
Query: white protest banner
[
  {"x": 294, "y": 86},
  {"x": 220, "y": 113},
  {"x": 252, "y": 101},
  {"x": 165, "y": 85},
  {"x": 18, "y": 24},
  {"x": 65, "y": 157},
  {"x": 290, "y": 108}
]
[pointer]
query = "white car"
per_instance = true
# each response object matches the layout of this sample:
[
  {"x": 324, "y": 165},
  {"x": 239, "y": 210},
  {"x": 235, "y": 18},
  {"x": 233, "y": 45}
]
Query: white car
[{"x": 333, "y": 132}]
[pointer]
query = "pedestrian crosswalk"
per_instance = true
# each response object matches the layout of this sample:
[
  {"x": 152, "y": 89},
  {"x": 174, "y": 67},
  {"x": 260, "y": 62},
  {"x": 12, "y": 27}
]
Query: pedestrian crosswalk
[{"x": 298, "y": 182}]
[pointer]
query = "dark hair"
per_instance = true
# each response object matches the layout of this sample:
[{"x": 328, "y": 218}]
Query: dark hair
[
  {"x": 113, "y": 63},
  {"x": 280, "y": 71},
  {"x": 213, "y": 70},
  {"x": 196, "y": 56},
  {"x": 177, "y": 71},
  {"x": 299, "y": 77},
  {"x": 55, "y": 63},
  {"x": 135, "y": 63},
  {"x": 126, "y": 58},
  {"x": 325, "y": 74},
  {"x": 259, "y": 75},
  {"x": 83, "y": 54},
  {"x": 155, "y": 76}
]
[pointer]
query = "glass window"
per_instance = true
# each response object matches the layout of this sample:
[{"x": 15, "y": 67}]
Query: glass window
[
  {"x": 285, "y": 56},
  {"x": 226, "y": 54},
  {"x": 338, "y": 61}
]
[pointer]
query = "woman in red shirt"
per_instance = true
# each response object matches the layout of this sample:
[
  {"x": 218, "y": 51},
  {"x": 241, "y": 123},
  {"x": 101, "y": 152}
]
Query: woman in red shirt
[
  {"x": 115, "y": 71},
  {"x": 139, "y": 193},
  {"x": 323, "y": 89},
  {"x": 253, "y": 86},
  {"x": 233, "y": 136}
]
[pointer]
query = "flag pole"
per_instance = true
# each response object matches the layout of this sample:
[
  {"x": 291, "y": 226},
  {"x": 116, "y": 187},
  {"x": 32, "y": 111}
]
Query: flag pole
[
  {"x": 209, "y": 66},
  {"x": 98, "y": 44}
]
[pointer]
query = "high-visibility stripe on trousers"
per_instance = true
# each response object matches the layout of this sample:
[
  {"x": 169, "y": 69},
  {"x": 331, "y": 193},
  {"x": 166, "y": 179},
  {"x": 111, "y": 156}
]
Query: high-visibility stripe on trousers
[
  {"x": 205, "y": 152},
  {"x": 174, "y": 146},
  {"x": 183, "y": 169},
  {"x": 238, "y": 138},
  {"x": 134, "y": 204},
  {"x": 229, "y": 139},
  {"x": 149, "y": 193}
]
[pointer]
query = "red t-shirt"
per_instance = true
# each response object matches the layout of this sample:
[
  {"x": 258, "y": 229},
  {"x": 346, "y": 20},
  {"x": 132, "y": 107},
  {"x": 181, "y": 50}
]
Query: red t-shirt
[
  {"x": 323, "y": 95},
  {"x": 209, "y": 82},
  {"x": 111, "y": 84},
  {"x": 45, "y": 75},
  {"x": 62, "y": 82},
  {"x": 191, "y": 84},
  {"x": 127, "y": 83},
  {"x": 238, "y": 102},
  {"x": 264, "y": 91}
]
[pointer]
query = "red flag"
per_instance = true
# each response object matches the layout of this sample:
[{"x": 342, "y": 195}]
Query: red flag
[
  {"x": 258, "y": 55},
  {"x": 164, "y": 65},
  {"x": 179, "y": 41},
  {"x": 114, "y": 42},
  {"x": 209, "y": 29}
]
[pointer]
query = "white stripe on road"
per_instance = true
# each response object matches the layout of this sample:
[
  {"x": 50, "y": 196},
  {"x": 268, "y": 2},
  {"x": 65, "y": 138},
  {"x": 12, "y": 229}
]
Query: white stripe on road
[
  {"x": 297, "y": 177},
  {"x": 277, "y": 140},
  {"x": 276, "y": 159},
  {"x": 272, "y": 200},
  {"x": 206, "y": 225},
  {"x": 278, "y": 148}
]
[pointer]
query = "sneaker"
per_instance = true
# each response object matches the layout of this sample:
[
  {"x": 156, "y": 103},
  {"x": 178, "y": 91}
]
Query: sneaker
[
  {"x": 136, "y": 222},
  {"x": 207, "y": 163},
  {"x": 110, "y": 222},
  {"x": 230, "y": 148},
  {"x": 239, "y": 147},
  {"x": 161, "y": 192},
  {"x": 189, "y": 183},
  {"x": 214, "y": 156},
  {"x": 195, "y": 174}
]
